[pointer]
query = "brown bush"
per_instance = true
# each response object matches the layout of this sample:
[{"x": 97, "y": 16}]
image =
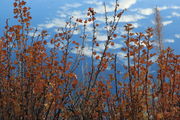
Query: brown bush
[{"x": 36, "y": 82}]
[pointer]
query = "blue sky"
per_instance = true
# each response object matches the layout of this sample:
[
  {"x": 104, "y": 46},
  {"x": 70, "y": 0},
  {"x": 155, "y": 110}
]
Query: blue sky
[{"x": 52, "y": 14}]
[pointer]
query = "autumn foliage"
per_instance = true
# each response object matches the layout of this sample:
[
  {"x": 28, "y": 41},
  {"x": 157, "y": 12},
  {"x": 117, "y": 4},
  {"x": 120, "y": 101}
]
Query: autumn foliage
[{"x": 38, "y": 82}]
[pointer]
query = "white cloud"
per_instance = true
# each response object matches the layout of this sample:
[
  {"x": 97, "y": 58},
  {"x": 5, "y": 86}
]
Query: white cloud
[
  {"x": 77, "y": 14},
  {"x": 116, "y": 46},
  {"x": 76, "y": 32},
  {"x": 102, "y": 18},
  {"x": 163, "y": 8},
  {"x": 101, "y": 47},
  {"x": 121, "y": 31},
  {"x": 154, "y": 58},
  {"x": 100, "y": 9},
  {"x": 177, "y": 35},
  {"x": 122, "y": 55},
  {"x": 135, "y": 25},
  {"x": 47, "y": 25},
  {"x": 110, "y": 6},
  {"x": 32, "y": 34},
  {"x": 146, "y": 11},
  {"x": 167, "y": 22},
  {"x": 70, "y": 6},
  {"x": 176, "y": 14},
  {"x": 175, "y": 7},
  {"x": 126, "y": 3},
  {"x": 87, "y": 51},
  {"x": 169, "y": 40},
  {"x": 61, "y": 14},
  {"x": 89, "y": 28},
  {"x": 124, "y": 18},
  {"x": 54, "y": 23},
  {"x": 168, "y": 7},
  {"x": 101, "y": 37},
  {"x": 94, "y": 2},
  {"x": 169, "y": 16},
  {"x": 131, "y": 18}
]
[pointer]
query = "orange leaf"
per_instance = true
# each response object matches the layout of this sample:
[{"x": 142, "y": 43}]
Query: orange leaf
[
  {"x": 74, "y": 42},
  {"x": 124, "y": 49},
  {"x": 45, "y": 42},
  {"x": 94, "y": 53},
  {"x": 15, "y": 4},
  {"x": 77, "y": 43},
  {"x": 74, "y": 83},
  {"x": 159, "y": 116},
  {"x": 85, "y": 21},
  {"x": 123, "y": 36},
  {"x": 108, "y": 93},
  {"x": 115, "y": 35},
  {"x": 80, "y": 20},
  {"x": 112, "y": 43},
  {"x": 23, "y": 3},
  {"x": 97, "y": 57},
  {"x": 60, "y": 34}
]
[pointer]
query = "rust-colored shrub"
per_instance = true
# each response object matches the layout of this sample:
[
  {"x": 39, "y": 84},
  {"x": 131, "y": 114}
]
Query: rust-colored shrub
[{"x": 37, "y": 82}]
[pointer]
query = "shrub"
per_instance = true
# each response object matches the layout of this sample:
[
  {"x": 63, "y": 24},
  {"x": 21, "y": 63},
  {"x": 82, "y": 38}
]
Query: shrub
[{"x": 38, "y": 82}]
